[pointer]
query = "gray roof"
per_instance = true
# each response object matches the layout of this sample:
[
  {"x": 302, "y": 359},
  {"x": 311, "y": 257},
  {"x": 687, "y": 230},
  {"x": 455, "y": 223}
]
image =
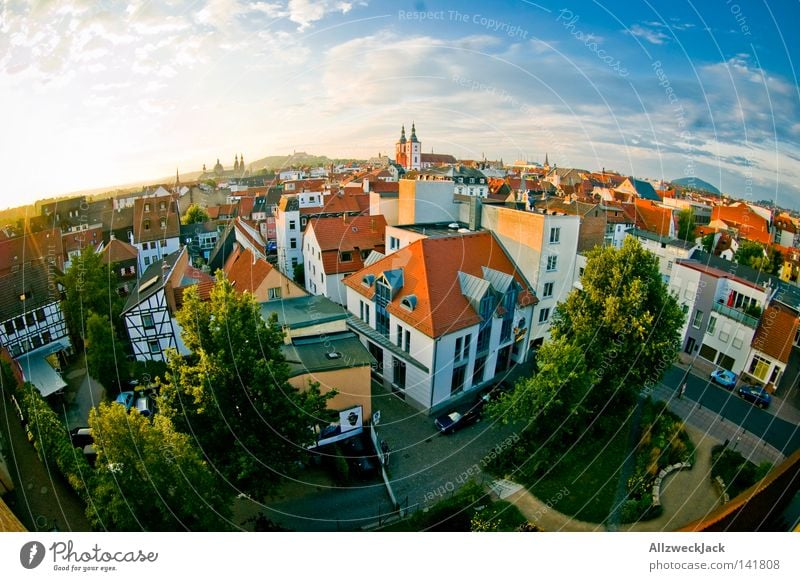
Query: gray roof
[
  {"x": 33, "y": 280},
  {"x": 500, "y": 280},
  {"x": 302, "y": 312},
  {"x": 38, "y": 371},
  {"x": 151, "y": 281},
  {"x": 741, "y": 270},
  {"x": 473, "y": 288},
  {"x": 326, "y": 353},
  {"x": 647, "y": 235}
]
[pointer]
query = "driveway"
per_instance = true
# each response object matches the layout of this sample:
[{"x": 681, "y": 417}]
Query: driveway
[{"x": 82, "y": 394}]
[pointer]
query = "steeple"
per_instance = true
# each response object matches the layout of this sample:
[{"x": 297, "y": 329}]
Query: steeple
[
  {"x": 236, "y": 163},
  {"x": 546, "y": 162},
  {"x": 241, "y": 162},
  {"x": 413, "y": 133},
  {"x": 403, "y": 134}
]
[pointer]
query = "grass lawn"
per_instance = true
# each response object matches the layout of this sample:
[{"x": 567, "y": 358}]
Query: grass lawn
[{"x": 582, "y": 483}]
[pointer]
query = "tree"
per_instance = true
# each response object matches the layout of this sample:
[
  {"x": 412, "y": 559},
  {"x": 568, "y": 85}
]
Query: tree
[
  {"x": 233, "y": 391},
  {"x": 299, "y": 274},
  {"x": 195, "y": 215},
  {"x": 625, "y": 322},
  {"x": 89, "y": 287},
  {"x": 105, "y": 355},
  {"x": 708, "y": 242},
  {"x": 750, "y": 253},
  {"x": 686, "y": 224},
  {"x": 149, "y": 477},
  {"x": 553, "y": 401}
]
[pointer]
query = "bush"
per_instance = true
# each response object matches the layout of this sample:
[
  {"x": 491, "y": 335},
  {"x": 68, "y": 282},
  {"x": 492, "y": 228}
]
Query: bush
[
  {"x": 634, "y": 510},
  {"x": 737, "y": 473}
]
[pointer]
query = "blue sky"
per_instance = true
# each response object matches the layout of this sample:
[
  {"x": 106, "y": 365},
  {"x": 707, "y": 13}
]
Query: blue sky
[{"x": 103, "y": 93}]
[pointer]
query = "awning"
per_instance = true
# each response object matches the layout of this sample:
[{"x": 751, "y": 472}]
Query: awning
[{"x": 38, "y": 371}]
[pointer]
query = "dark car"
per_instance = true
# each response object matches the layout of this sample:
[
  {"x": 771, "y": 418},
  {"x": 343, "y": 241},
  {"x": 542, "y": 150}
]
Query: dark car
[
  {"x": 459, "y": 418},
  {"x": 81, "y": 437},
  {"x": 360, "y": 456},
  {"x": 755, "y": 395}
]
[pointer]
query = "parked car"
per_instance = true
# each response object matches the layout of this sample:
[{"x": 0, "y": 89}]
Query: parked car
[
  {"x": 81, "y": 437},
  {"x": 360, "y": 456},
  {"x": 724, "y": 378},
  {"x": 126, "y": 399},
  {"x": 272, "y": 247},
  {"x": 459, "y": 418},
  {"x": 755, "y": 395}
]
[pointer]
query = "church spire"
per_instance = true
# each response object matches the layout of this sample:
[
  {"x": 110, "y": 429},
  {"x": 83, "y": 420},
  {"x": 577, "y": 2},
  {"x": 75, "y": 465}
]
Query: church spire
[
  {"x": 546, "y": 162},
  {"x": 403, "y": 134},
  {"x": 413, "y": 138}
]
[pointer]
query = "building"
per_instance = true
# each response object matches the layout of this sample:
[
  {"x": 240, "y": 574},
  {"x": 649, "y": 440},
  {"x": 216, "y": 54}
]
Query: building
[
  {"x": 443, "y": 316},
  {"x": 465, "y": 180},
  {"x": 123, "y": 259},
  {"x": 200, "y": 240},
  {"x": 742, "y": 221},
  {"x": 667, "y": 249},
  {"x": 156, "y": 229},
  {"x": 74, "y": 243},
  {"x": 249, "y": 273},
  {"x": 30, "y": 309},
  {"x": 408, "y": 152},
  {"x": 336, "y": 247},
  {"x": 149, "y": 313}
]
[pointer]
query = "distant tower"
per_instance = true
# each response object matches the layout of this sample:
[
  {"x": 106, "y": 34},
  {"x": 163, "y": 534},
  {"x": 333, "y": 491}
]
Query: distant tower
[
  {"x": 235, "y": 164},
  {"x": 414, "y": 150},
  {"x": 177, "y": 180},
  {"x": 546, "y": 162},
  {"x": 400, "y": 148},
  {"x": 241, "y": 163}
]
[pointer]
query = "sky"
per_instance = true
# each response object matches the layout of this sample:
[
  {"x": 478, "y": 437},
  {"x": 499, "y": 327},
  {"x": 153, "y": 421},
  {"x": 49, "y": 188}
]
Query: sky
[{"x": 97, "y": 93}]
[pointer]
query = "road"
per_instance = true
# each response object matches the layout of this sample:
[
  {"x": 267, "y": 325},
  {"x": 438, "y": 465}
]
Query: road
[{"x": 783, "y": 435}]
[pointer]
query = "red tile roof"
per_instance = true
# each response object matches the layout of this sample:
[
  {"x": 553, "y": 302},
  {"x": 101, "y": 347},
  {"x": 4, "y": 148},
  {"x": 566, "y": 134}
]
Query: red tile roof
[
  {"x": 652, "y": 218},
  {"x": 748, "y": 223},
  {"x": 147, "y": 224},
  {"x": 32, "y": 246},
  {"x": 204, "y": 289},
  {"x": 776, "y": 331},
  {"x": 118, "y": 251},
  {"x": 340, "y": 203},
  {"x": 78, "y": 240},
  {"x": 383, "y": 187},
  {"x": 246, "y": 271},
  {"x": 784, "y": 222},
  {"x": 430, "y": 272},
  {"x": 356, "y": 235}
]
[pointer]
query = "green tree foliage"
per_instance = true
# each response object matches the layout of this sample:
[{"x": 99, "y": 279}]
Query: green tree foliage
[
  {"x": 686, "y": 224},
  {"x": 195, "y": 215},
  {"x": 624, "y": 321},
  {"x": 749, "y": 253},
  {"x": 89, "y": 287},
  {"x": 299, "y": 274},
  {"x": 105, "y": 354},
  {"x": 233, "y": 391},
  {"x": 553, "y": 400},
  {"x": 149, "y": 477},
  {"x": 708, "y": 243}
]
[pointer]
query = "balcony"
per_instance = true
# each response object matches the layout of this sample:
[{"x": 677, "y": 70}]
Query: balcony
[{"x": 736, "y": 315}]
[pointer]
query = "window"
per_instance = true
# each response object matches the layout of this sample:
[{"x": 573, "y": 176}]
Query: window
[
  {"x": 457, "y": 385},
  {"x": 292, "y": 225},
  {"x": 759, "y": 367},
  {"x": 29, "y": 320},
  {"x": 9, "y": 327},
  {"x": 462, "y": 348},
  {"x": 685, "y": 309},
  {"x": 274, "y": 293},
  {"x": 147, "y": 322},
  {"x": 669, "y": 265},
  {"x": 580, "y": 271},
  {"x": 394, "y": 243},
  {"x": 146, "y": 246},
  {"x": 146, "y": 224},
  {"x": 477, "y": 373},
  {"x": 483, "y": 338},
  {"x": 399, "y": 336},
  {"x": 162, "y": 206},
  {"x": 552, "y": 263},
  {"x": 555, "y": 235},
  {"x": 294, "y": 261},
  {"x": 46, "y": 337},
  {"x": 698, "y": 319},
  {"x": 738, "y": 340},
  {"x": 37, "y": 341},
  {"x": 712, "y": 325},
  {"x": 147, "y": 207},
  {"x": 548, "y": 290},
  {"x": 19, "y": 323},
  {"x": 399, "y": 373},
  {"x": 544, "y": 315},
  {"x": 345, "y": 256},
  {"x": 292, "y": 242},
  {"x": 163, "y": 242},
  {"x": 407, "y": 347},
  {"x": 365, "y": 312},
  {"x": 154, "y": 347},
  {"x": 40, "y": 316}
]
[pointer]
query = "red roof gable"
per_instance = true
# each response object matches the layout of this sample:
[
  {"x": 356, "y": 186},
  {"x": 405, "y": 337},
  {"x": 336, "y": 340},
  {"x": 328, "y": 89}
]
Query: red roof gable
[
  {"x": 357, "y": 235},
  {"x": 32, "y": 246},
  {"x": 652, "y": 218},
  {"x": 430, "y": 272},
  {"x": 246, "y": 272},
  {"x": 776, "y": 331},
  {"x": 748, "y": 223}
]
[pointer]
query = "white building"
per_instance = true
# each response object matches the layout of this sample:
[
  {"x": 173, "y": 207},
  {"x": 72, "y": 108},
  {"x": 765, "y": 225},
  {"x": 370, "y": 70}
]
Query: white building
[
  {"x": 156, "y": 228},
  {"x": 444, "y": 316},
  {"x": 667, "y": 249}
]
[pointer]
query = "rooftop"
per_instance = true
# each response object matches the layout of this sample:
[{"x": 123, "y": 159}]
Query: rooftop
[
  {"x": 328, "y": 352},
  {"x": 302, "y": 312}
]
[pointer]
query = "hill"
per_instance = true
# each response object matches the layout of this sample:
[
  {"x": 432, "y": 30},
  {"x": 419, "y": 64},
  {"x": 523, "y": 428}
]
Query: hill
[{"x": 694, "y": 183}]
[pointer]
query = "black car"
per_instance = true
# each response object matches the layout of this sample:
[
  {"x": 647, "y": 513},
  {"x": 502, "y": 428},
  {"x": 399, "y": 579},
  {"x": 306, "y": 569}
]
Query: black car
[
  {"x": 459, "y": 418},
  {"x": 360, "y": 456},
  {"x": 81, "y": 437},
  {"x": 755, "y": 395}
]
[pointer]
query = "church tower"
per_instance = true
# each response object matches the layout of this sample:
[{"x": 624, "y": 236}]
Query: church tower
[
  {"x": 414, "y": 150},
  {"x": 400, "y": 148}
]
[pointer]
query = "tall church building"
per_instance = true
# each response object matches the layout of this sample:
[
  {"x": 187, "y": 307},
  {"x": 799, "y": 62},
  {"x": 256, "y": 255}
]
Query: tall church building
[{"x": 408, "y": 152}]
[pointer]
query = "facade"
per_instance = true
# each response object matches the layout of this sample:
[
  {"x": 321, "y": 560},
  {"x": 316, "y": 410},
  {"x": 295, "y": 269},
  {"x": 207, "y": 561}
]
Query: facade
[
  {"x": 336, "y": 247},
  {"x": 156, "y": 229},
  {"x": 667, "y": 249},
  {"x": 30, "y": 309},
  {"x": 200, "y": 240},
  {"x": 443, "y": 316},
  {"x": 149, "y": 313},
  {"x": 408, "y": 152},
  {"x": 123, "y": 259}
]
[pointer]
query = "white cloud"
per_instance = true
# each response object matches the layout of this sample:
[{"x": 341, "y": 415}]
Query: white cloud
[
  {"x": 307, "y": 12},
  {"x": 650, "y": 35}
]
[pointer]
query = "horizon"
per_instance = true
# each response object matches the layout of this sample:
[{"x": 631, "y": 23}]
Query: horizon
[{"x": 96, "y": 97}]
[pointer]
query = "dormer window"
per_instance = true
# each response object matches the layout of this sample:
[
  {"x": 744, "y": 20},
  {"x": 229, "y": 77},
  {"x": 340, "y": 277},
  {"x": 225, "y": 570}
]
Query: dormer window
[
  {"x": 368, "y": 280},
  {"x": 345, "y": 256},
  {"x": 409, "y": 302}
]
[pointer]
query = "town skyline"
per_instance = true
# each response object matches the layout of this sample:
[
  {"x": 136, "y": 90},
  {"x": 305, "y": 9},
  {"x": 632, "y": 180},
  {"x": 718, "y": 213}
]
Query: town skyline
[{"x": 98, "y": 98}]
